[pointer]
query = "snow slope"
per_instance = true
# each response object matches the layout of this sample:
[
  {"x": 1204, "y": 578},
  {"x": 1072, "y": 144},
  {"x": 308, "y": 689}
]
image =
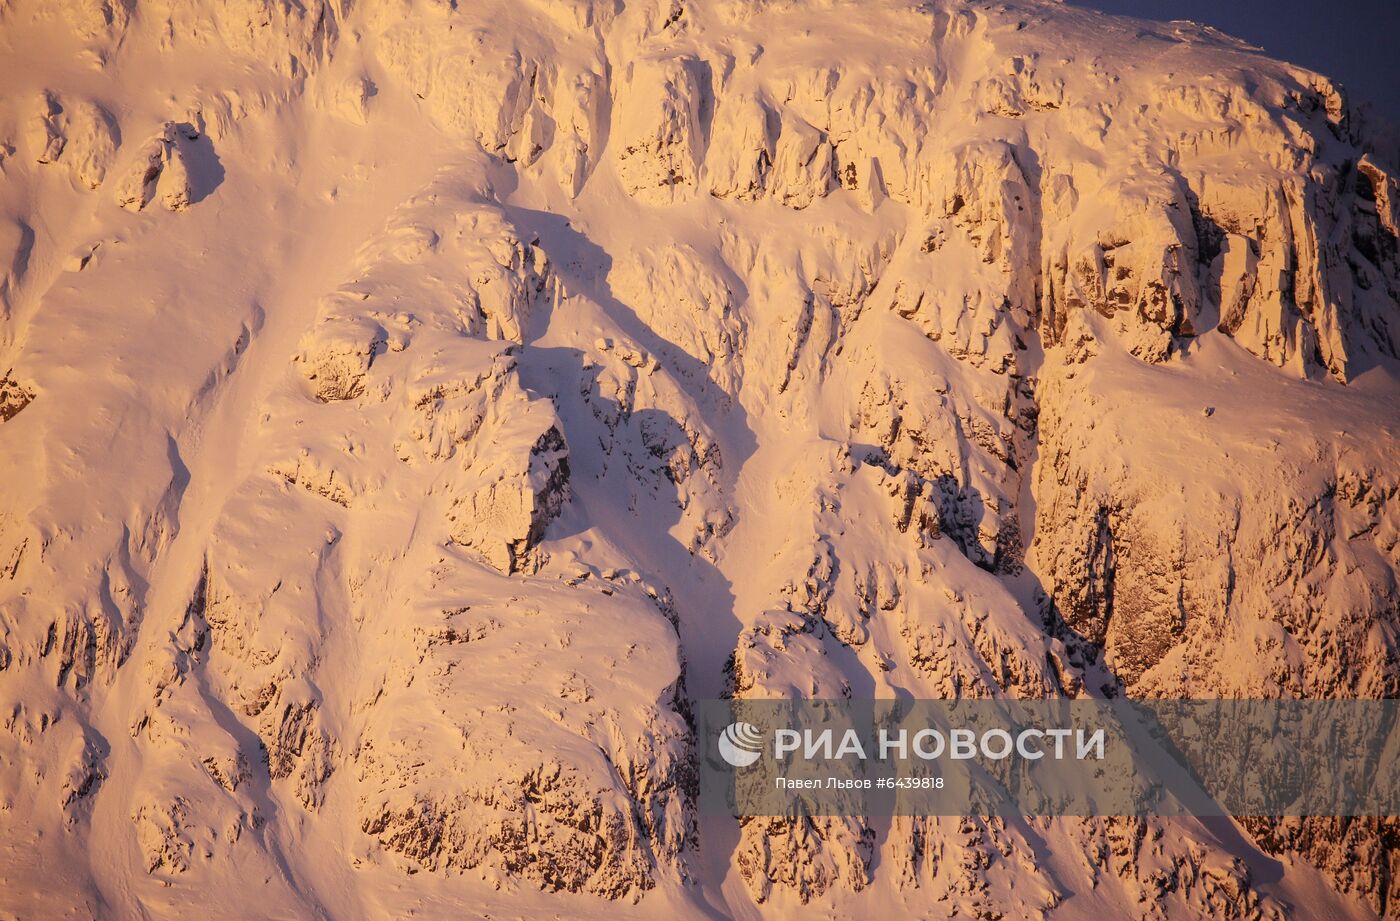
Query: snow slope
[{"x": 408, "y": 407}]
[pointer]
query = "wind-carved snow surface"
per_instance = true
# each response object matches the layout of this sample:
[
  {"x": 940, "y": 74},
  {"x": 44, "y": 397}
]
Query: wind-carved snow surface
[{"x": 408, "y": 407}]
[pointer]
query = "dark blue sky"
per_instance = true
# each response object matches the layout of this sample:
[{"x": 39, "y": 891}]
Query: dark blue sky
[{"x": 1354, "y": 41}]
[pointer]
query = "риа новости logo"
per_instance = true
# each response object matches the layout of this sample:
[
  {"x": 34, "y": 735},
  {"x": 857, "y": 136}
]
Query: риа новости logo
[{"x": 741, "y": 744}]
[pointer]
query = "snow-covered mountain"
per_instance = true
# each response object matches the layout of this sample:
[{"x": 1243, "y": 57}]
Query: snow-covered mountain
[{"x": 409, "y": 407}]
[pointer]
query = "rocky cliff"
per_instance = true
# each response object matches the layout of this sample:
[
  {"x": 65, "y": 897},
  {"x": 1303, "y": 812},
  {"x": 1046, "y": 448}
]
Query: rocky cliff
[{"x": 409, "y": 407}]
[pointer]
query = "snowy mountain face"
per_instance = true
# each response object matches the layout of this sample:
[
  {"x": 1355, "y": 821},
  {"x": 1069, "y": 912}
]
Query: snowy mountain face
[{"x": 409, "y": 407}]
